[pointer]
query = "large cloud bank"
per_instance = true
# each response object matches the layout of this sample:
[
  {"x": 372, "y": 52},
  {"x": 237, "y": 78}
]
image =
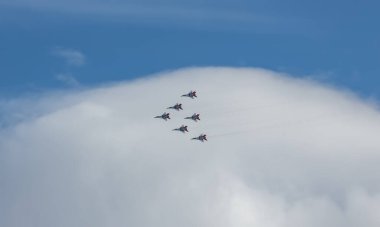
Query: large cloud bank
[{"x": 281, "y": 152}]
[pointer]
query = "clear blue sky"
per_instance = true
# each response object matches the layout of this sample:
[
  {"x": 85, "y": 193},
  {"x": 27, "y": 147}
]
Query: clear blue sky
[{"x": 57, "y": 44}]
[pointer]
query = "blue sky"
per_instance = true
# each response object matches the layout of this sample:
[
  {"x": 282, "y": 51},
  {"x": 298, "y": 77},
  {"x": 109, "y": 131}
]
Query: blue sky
[{"x": 336, "y": 41}]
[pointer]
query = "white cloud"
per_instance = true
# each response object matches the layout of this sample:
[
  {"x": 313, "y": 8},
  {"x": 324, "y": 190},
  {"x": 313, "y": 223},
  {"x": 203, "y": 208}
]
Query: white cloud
[
  {"x": 281, "y": 152},
  {"x": 68, "y": 79},
  {"x": 71, "y": 56}
]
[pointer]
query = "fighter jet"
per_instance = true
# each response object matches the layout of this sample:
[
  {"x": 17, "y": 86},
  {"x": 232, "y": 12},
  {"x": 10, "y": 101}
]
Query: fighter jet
[
  {"x": 164, "y": 116},
  {"x": 201, "y": 138},
  {"x": 177, "y": 107},
  {"x": 191, "y": 94},
  {"x": 183, "y": 129},
  {"x": 194, "y": 117}
]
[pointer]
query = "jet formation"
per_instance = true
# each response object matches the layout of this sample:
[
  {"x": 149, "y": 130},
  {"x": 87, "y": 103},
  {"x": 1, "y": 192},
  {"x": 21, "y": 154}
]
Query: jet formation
[
  {"x": 194, "y": 117},
  {"x": 177, "y": 107},
  {"x": 183, "y": 129},
  {"x": 164, "y": 116},
  {"x": 201, "y": 138},
  {"x": 191, "y": 94}
]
